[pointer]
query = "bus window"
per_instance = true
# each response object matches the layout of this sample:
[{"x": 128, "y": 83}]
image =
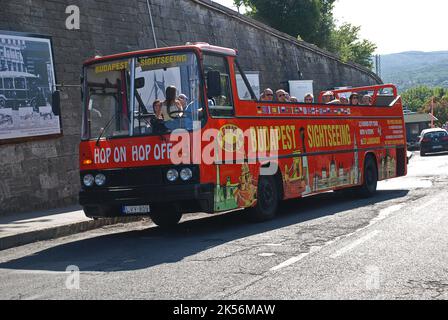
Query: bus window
[
  {"x": 243, "y": 86},
  {"x": 9, "y": 84},
  {"x": 19, "y": 83},
  {"x": 220, "y": 105}
]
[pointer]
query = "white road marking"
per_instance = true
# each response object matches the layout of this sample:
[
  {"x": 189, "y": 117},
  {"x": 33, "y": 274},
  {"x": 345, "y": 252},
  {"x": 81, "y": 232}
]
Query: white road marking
[
  {"x": 266, "y": 254},
  {"x": 384, "y": 213},
  {"x": 293, "y": 260},
  {"x": 290, "y": 262},
  {"x": 273, "y": 245},
  {"x": 354, "y": 244}
]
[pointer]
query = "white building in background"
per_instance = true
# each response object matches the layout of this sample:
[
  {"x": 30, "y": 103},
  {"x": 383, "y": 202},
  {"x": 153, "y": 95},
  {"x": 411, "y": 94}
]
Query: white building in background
[{"x": 11, "y": 58}]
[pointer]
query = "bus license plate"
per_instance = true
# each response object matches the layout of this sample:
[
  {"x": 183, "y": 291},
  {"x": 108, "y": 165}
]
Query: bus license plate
[{"x": 136, "y": 209}]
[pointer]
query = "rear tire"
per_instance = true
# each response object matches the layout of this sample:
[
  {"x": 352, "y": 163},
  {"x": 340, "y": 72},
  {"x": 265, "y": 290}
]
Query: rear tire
[
  {"x": 422, "y": 154},
  {"x": 167, "y": 219},
  {"x": 267, "y": 200},
  {"x": 368, "y": 188}
]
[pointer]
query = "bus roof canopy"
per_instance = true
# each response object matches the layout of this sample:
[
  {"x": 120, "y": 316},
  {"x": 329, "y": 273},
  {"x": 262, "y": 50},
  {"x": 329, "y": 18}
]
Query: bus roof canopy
[{"x": 201, "y": 46}]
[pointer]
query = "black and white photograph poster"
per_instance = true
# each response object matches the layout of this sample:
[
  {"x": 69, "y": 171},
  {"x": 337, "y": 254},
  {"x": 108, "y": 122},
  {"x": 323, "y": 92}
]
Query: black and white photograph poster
[{"x": 27, "y": 81}]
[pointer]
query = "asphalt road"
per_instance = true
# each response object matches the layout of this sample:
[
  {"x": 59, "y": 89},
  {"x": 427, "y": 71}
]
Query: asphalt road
[{"x": 332, "y": 246}]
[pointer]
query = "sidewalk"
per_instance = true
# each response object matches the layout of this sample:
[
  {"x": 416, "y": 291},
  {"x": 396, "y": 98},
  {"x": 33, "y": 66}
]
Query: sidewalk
[{"x": 24, "y": 228}]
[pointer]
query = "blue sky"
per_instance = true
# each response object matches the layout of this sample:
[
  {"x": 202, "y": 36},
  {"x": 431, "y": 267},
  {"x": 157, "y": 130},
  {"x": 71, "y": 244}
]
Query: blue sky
[{"x": 394, "y": 25}]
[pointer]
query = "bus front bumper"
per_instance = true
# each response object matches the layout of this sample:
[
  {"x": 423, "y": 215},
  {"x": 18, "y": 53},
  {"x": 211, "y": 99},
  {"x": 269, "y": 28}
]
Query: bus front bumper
[{"x": 186, "y": 197}]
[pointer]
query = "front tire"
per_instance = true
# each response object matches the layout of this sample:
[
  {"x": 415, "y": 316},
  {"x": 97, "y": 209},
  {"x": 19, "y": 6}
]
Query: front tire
[
  {"x": 267, "y": 200},
  {"x": 96, "y": 212},
  {"x": 368, "y": 188},
  {"x": 167, "y": 219}
]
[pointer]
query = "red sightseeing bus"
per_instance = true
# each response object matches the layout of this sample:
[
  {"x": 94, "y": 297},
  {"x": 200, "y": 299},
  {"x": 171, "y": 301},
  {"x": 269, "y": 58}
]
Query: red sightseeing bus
[{"x": 145, "y": 152}]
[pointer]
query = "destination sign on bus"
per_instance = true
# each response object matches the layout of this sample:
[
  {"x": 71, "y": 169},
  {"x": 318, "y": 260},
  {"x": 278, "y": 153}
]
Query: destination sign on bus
[
  {"x": 113, "y": 66},
  {"x": 169, "y": 61}
]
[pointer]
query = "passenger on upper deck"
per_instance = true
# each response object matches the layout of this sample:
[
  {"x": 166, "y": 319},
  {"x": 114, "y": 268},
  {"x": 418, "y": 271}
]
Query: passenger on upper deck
[
  {"x": 309, "y": 98},
  {"x": 367, "y": 100},
  {"x": 343, "y": 100},
  {"x": 281, "y": 95},
  {"x": 327, "y": 97},
  {"x": 335, "y": 101},
  {"x": 354, "y": 99},
  {"x": 267, "y": 95},
  {"x": 293, "y": 99}
]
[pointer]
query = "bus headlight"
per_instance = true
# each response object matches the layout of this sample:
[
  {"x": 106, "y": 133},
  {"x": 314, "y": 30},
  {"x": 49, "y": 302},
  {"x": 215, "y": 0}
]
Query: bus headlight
[
  {"x": 88, "y": 180},
  {"x": 172, "y": 175},
  {"x": 100, "y": 179},
  {"x": 186, "y": 174}
]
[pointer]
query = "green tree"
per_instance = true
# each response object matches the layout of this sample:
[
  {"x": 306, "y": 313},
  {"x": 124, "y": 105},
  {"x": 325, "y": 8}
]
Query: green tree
[
  {"x": 421, "y": 98},
  {"x": 312, "y": 20},
  {"x": 345, "y": 42},
  {"x": 417, "y": 98},
  {"x": 440, "y": 109}
]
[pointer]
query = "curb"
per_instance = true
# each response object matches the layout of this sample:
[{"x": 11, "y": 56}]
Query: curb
[{"x": 59, "y": 231}]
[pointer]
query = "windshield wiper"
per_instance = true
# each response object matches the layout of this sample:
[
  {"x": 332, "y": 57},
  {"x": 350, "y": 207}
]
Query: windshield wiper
[{"x": 104, "y": 129}]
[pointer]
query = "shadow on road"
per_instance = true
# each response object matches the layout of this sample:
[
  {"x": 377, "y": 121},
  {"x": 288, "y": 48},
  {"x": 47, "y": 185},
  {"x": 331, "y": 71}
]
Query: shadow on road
[{"x": 134, "y": 250}]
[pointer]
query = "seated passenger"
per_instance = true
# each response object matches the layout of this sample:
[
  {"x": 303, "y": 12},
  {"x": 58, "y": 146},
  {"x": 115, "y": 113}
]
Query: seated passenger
[
  {"x": 335, "y": 101},
  {"x": 288, "y": 97},
  {"x": 157, "y": 107},
  {"x": 367, "y": 100},
  {"x": 354, "y": 99},
  {"x": 293, "y": 99},
  {"x": 267, "y": 95},
  {"x": 171, "y": 105},
  {"x": 281, "y": 95},
  {"x": 327, "y": 97},
  {"x": 343, "y": 100},
  {"x": 309, "y": 98},
  {"x": 183, "y": 100}
]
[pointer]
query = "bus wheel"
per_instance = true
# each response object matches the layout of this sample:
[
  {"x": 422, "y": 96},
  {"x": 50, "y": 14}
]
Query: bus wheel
[
  {"x": 166, "y": 219},
  {"x": 267, "y": 200},
  {"x": 2, "y": 102},
  {"x": 368, "y": 188}
]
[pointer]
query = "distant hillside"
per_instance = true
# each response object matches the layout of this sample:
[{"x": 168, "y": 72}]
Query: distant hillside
[{"x": 410, "y": 69}]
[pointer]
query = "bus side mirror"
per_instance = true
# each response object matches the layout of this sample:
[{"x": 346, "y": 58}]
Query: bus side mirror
[
  {"x": 139, "y": 83},
  {"x": 56, "y": 102},
  {"x": 213, "y": 84}
]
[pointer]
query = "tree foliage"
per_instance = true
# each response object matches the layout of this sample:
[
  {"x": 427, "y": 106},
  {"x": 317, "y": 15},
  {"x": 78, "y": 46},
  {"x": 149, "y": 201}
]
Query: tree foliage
[
  {"x": 313, "y": 22},
  {"x": 420, "y": 99},
  {"x": 345, "y": 42}
]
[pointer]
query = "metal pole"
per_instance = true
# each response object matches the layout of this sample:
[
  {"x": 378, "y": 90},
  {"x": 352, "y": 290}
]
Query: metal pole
[
  {"x": 152, "y": 23},
  {"x": 132, "y": 96},
  {"x": 432, "y": 112}
]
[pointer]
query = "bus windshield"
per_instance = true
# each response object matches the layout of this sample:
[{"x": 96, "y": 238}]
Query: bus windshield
[{"x": 112, "y": 110}]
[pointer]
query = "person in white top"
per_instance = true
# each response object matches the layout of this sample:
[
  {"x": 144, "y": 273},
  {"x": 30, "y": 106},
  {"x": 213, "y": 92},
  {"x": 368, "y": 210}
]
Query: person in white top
[{"x": 171, "y": 107}]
